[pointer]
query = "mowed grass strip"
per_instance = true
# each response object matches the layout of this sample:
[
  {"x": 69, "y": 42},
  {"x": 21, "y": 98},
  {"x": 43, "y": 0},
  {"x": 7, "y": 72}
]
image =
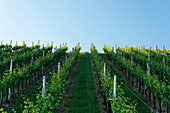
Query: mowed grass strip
[{"x": 83, "y": 96}]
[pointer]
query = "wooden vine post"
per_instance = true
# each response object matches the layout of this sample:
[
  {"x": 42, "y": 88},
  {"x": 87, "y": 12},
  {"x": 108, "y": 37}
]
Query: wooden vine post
[
  {"x": 131, "y": 71},
  {"x": 164, "y": 56},
  {"x": 165, "y": 74},
  {"x": 114, "y": 88},
  {"x": 56, "y": 48},
  {"x": 59, "y": 69},
  {"x": 159, "y": 55},
  {"x": 148, "y": 72},
  {"x": 99, "y": 60},
  {"x": 42, "y": 65},
  {"x": 11, "y": 42},
  {"x": 1, "y": 97},
  {"x": 9, "y": 89},
  {"x": 70, "y": 54},
  {"x": 15, "y": 49},
  {"x": 43, "y": 89},
  {"x": 31, "y": 75},
  {"x": 104, "y": 74},
  {"x": 66, "y": 58},
  {"x": 104, "y": 70},
  {"x": 52, "y": 46},
  {"x": 32, "y": 59}
]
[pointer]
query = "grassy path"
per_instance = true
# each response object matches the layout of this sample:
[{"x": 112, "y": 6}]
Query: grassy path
[{"x": 82, "y": 96}]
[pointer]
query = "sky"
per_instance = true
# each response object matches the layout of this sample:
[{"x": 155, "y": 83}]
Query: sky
[{"x": 110, "y": 22}]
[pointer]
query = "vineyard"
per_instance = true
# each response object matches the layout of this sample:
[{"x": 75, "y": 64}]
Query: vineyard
[{"x": 47, "y": 79}]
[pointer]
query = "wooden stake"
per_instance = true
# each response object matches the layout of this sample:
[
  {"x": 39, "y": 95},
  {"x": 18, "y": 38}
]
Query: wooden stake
[
  {"x": 148, "y": 69},
  {"x": 70, "y": 54},
  {"x": 11, "y": 42},
  {"x": 58, "y": 68},
  {"x": 149, "y": 56},
  {"x": 32, "y": 60},
  {"x": 123, "y": 57},
  {"x": 11, "y": 66},
  {"x": 56, "y": 48},
  {"x": 43, "y": 66},
  {"x": 43, "y": 90},
  {"x": 1, "y": 97},
  {"x": 115, "y": 87},
  {"x": 99, "y": 59},
  {"x": 164, "y": 61},
  {"x": 66, "y": 58},
  {"x": 9, "y": 90},
  {"x": 132, "y": 61},
  {"x": 104, "y": 69}
]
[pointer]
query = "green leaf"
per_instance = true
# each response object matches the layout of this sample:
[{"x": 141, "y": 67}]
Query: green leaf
[
  {"x": 25, "y": 111},
  {"x": 1, "y": 109}
]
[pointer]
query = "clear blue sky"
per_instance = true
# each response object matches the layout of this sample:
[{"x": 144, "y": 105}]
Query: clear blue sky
[{"x": 123, "y": 22}]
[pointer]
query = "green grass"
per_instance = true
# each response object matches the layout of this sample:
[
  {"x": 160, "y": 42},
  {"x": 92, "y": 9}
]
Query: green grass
[{"x": 83, "y": 96}]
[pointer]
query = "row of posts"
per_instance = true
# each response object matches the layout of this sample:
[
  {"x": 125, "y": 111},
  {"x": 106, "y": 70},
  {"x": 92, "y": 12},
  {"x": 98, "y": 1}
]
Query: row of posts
[
  {"x": 114, "y": 85},
  {"x": 11, "y": 68},
  {"x": 55, "y": 49},
  {"x": 44, "y": 78},
  {"x": 32, "y": 43},
  {"x": 148, "y": 68}
]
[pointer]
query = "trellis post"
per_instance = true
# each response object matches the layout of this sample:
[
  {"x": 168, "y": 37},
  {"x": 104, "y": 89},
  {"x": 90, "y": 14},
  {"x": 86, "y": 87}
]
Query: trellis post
[
  {"x": 104, "y": 69},
  {"x": 43, "y": 90},
  {"x": 58, "y": 68}
]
